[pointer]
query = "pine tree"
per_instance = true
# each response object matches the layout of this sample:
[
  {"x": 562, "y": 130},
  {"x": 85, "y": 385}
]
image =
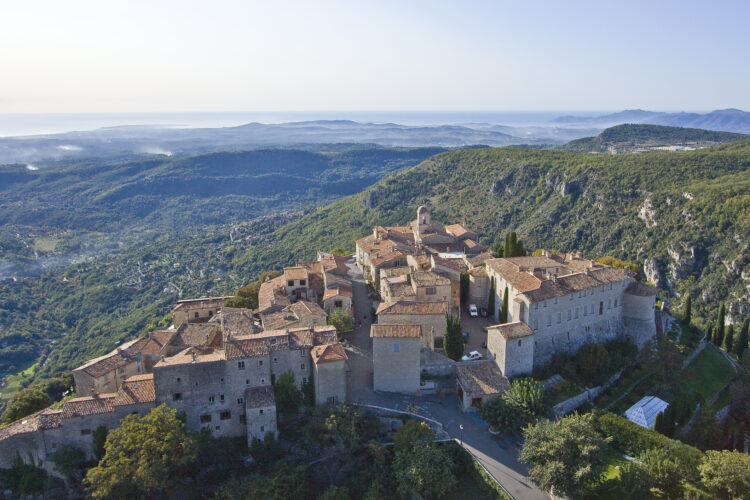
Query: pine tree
[
  {"x": 741, "y": 345},
  {"x": 687, "y": 316},
  {"x": 504, "y": 312},
  {"x": 491, "y": 300},
  {"x": 719, "y": 332},
  {"x": 729, "y": 340}
]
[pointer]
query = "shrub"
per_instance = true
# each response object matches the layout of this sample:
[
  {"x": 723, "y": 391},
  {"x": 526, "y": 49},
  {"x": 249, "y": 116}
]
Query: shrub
[
  {"x": 499, "y": 414},
  {"x": 592, "y": 363}
]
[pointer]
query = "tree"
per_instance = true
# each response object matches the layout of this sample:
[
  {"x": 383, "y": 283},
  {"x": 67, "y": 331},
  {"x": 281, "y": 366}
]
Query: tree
[
  {"x": 411, "y": 433},
  {"x": 729, "y": 340},
  {"x": 710, "y": 333},
  {"x": 69, "y": 461},
  {"x": 667, "y": 468},
  {"x": 247, "y": 296},
  {"x": 500, "y": 414},
  {"x": 726, "y": 474},
  {"x": 504, "y": 311},
  {"x": 688, "y": 312},
  {"x": 719, "y": 331},
  {"x": 491, "y": 299},
  {"x": 465, "y": 281},
  {"x": 145, "y": 456},
  {"x": 453, "y": 343},
  {"x": 24, "y": 403},
  {"x": 659, "y": 422},
  {"x": 592, "y": 363},
  {"x": 567, "y": 456},
  {"x": 341, "y": 320},
  {"x": 424, "y": 469},
  {"x": 528, "y": 395},
  {"x": 100, "y": 440},
  {"x": 288, "y": 397},
  {"x": 741, "y": 345}
]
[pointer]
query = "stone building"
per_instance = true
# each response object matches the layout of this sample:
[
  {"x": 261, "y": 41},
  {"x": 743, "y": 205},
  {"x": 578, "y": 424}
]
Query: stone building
[
  {"x": 479, "y": 286},
  {"x": 329, "y": 371},
  {"x": 479, "y": 381},
  {"x": 338, "y": 299},
  {"x": 196, "y": 310},
  {"x": 512, "y": 347},
  {"x": 395, "y": 357},
  {"x": 299, "y": 314},
  {"x": 260, "y": 413},
  {"x": 568, "y": 301},
  {"x": 105, "y": 374},
  {"x": 430, "y": 316}
]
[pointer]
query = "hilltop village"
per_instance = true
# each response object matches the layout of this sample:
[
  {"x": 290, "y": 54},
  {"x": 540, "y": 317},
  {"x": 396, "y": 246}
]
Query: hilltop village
[{"x": 218, "y": 364}]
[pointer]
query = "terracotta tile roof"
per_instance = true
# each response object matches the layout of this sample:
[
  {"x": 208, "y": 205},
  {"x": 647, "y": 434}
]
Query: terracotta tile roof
[
  {"x": 387, "y": 257},
  {"x": 366, "y": 241},
  {"x": 237, "y": 321},
  {"x": 136, "y": 389},
  {"x": 481, "y": 377},
  {"x": 479, "y": 272},
  {"x": 260, "y": 397},
  {"x": 272, "y": 294},
  {"x": 194, "y": 335},
  {"x": 455, "y": 264},
  {"x": 391, "y": 272},
  {"x": 328, "y": 353},
  {"x": 640, "y": 289},
  {"x": 511, "y": 331},
  {"x": 120, "y": 357},
  {"x": 413, "y": 307},
  {"x": 157, "y": 340},
  {"x": 479, "y": 259},
  {"x": 429, "y": 278},
  {"x": 395, "y": 331},
  {"x": 293, "y": 314},
  {"x": 340, "y": 291},
  {"x": 90, "y": 405},
  {"x": 472, "y": 245},
  {"x": 192, "y": 355},
  {"x": 332, "y": 262},
  {"x": 201, "y": 303},
  {"x": 44, "y": 419},
  {"x": 459, "y": 230},
  {"x": 305, "y": 309},
  {"x": 295, "y": 273},
  {"x": 399, "y": 289}
]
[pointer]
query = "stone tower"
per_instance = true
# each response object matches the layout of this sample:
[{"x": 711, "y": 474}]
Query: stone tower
[{"x": 423, "y": 219}]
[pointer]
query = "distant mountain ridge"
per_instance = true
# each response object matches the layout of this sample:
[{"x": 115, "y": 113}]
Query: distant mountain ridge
[
  {"x": 726, "y": 120},
  {"x": 629, "y": 138}
]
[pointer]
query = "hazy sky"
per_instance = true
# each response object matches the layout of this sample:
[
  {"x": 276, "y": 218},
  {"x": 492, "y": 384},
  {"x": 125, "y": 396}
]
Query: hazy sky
[{"x": 106, "y": 55}]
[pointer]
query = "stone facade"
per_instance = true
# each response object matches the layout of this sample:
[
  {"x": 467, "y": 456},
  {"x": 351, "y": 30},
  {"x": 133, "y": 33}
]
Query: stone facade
[
  {"x": 512, "y": 347},
  {"x": 329, "y": 365},
  {"x": 568, "y": 302},
  {"x": 429, "y": 316},
  {"x": 196, "y": 310},
  {"x": 395, "y": 357}
]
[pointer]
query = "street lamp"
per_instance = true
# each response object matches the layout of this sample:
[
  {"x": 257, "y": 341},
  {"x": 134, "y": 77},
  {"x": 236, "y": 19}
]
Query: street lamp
[{"x": 461, "y": 426}]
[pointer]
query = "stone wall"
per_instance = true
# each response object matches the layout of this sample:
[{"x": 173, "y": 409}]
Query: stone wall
[
  {"x": 514, "y": 357},
  {"x": 330, "y": 382},
  {"x": 433, "y": 325},
  {"x": 395, "y": 364}
]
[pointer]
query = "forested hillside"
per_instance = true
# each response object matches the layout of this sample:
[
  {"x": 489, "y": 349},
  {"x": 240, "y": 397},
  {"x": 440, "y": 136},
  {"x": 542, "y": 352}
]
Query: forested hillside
[
  {"x": 684, "y": 216},
  {"x": 630, "y": 137}
]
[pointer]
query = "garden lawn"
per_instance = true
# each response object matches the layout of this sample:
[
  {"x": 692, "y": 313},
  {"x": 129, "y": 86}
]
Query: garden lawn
[
  {"x": 13, "y": 382},
  {"x": 707, "y": 374}
]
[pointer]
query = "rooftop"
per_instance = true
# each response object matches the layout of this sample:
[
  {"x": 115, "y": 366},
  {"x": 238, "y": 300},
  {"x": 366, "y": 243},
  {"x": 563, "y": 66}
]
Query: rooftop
[
  {"x": 644, "y": 412},
  {"x": 429, "y": 278},
  {"x": 136, "y": 389},
  {"x": 481, "y": 377},
  {"x": 395, "y": 331},
  {"x": 260, "y": 397},
  {"x": 343, "y": 291},
  {"x": 459, "y": 230},
  {"x": 90, "y": 405},
  {"x": 413, "y": 307},
  {"x": 201, "y": 303},
  {"x": 328, "y": 353},
  {"x": 272, "y": 294},
  {"x": 513, "y": 330},
  {"x": 295, "y": 273}
]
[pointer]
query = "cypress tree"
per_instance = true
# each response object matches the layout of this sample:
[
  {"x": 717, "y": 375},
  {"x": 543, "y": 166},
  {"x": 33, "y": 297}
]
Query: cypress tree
[
  {"x": 709, "y": 333},
  {"x": 453, "y": 343},
  {"x": 491, "y": 300},
  {"x": 520, "y": 250},
  {"x": 659, "y": 422},
  {"x": 687, "y": 316},
  {"x": 741, "y": 345},
  {"x": 719, "y": 332},
  {"x": 729, "y": 341},
  {"x": 511, "y": 244},
  {"x": 504, "y": 312}
]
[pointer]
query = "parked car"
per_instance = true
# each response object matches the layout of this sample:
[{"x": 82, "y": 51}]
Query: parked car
[
  {"x": 473, "y": 310},
  {"x": 472, "y": 356}
]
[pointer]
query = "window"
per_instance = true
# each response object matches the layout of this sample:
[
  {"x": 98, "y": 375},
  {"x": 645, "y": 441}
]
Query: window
[
  {"x": 179, "y": 379},
  {"x": 430, "y": 290},
  {"x": 247, "y": 381},
  {"x": 262, "y": 428},
  {"x": 275, "y": 360},
  {"x": 290, "y": 283},
  {"x": 196, "y": 314},
  {"x": 205, "y": 419},
  {"x": 240, "y": 365},
  {"x": 304, "y": 380},
  {"x": 176, "y": 396},
  {"x": 570, "y": 314},
  {"x": 221, "y": 397},
  {"x": 240, "y": 401},
  {"x": 54, "y": 445},
  {"x": 303, "y": 282},
  {"x": 555, "y": 300},
  {"x": 210, "y": 313},
  {"x": 302, "y": 366},
  {"x": 559, "y": 318},
  {"x": 273, "y": 341},
  {"x": 544, "y": 303},
  {"x": 519, "y": 343},
  {"x": 222, "y": 380},
  {"x": 302, "y": 353},
  {"x": 338, "y": 304},
  {"x": 85, "y": 432},
  {"x": 211, "y": 399},
  {"x": 218, "y": 427},
  {"x": 260, "y": 363},
  {"x": 225, "y": 415},
  {"x": 261, "y": 412},
  {"x": 395, "y": 347},
  {"x": 601, "y": 308},
  {"x": 615, "y": 302},
  {"x": 262, "y": 381}
]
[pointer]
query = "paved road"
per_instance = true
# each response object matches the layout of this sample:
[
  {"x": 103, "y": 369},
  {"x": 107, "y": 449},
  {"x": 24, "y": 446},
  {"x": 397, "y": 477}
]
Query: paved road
[{"x": 499, "y": 457}]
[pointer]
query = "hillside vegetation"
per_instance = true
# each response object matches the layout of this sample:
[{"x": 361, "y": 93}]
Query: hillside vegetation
[
  {"x": 630, "y": 138},
  {"x": 684, "y": 216}
]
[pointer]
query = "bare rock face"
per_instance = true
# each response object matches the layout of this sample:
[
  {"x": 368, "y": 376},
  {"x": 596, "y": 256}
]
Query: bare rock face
[
  {"x": 652, "y": 272},
  {"x": 683, "y": 260},
  {"x": 647, "y": 213},
  {"x": 738, "y": 310},
  {"x": 369, "y": 199},
  {"x": 561, "y": 186}
]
